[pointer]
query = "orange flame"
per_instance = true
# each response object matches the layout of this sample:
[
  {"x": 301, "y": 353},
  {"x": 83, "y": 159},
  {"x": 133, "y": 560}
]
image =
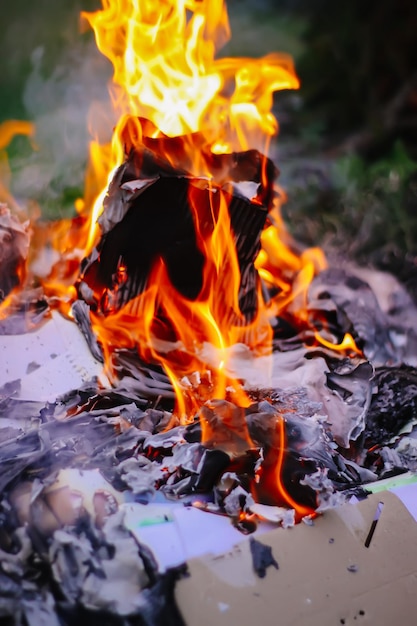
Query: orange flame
[
  {"x": 8, "y": 130},
  {"x": 197, "y": 106},
  {"x": 286, "y": 271},
  {"x": 204, "y": 328},
  {"x": 347, "y": 344},
  {"x": 165, "y": 70},
  {"x": 270, "y": 486}
]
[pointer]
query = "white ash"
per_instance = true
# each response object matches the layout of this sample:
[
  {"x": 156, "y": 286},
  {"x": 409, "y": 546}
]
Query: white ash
[
  {"x": 407, "y": 451},
  {"x": 165, "y": 439},
  {"x": 189, "y": 456},
  {"x": 391, "y": 459},
  {"x": 364, "y": 474},
  {"x": 15, "y": 563},
  {"x": 237, "y": 501},
  {"x": 327, "y": 497},
  {"x": 344, "y": 405},
  {"x": 110, "y": 578},
  {"x": 140, "y": 475},
  {"x": 40, "y": 611}
]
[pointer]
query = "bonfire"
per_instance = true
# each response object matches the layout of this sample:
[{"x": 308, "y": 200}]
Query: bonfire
[{"x": 176, "y": 346}]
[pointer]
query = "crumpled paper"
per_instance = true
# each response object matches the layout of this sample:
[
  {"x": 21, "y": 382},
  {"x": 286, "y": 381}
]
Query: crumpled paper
[{"x": 14, "y": 246}]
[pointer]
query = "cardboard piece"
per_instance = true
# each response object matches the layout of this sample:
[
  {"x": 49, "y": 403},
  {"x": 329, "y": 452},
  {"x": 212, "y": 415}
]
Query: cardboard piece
[{"x": 326, "y": 575}]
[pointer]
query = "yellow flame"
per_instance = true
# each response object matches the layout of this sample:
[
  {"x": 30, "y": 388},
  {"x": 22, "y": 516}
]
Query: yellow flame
[
  {"x": 166, "y": 71},
  {"x": 347, "y": 344},
  {"x": 165, "y": 68},
  {"x": 11, "y": 128}
]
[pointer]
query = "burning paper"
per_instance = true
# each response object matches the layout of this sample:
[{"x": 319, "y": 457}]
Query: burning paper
[
  {"x": 228, "y": 369},
  {"x": 14, "y": 246}
]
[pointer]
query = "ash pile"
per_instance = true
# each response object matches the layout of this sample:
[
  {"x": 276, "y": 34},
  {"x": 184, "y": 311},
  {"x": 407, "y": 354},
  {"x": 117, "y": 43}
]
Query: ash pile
[{"x": 83, "y": 463}]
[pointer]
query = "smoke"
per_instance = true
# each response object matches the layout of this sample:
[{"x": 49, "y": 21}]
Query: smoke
[{"x": 68, "y": 104}]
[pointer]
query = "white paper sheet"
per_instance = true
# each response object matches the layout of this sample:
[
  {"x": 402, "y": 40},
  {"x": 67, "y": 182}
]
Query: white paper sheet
[
  {"x": 177, "y": 533},
  {"x": 49, "y": 361},
  {"x": 408, "y": 496}
]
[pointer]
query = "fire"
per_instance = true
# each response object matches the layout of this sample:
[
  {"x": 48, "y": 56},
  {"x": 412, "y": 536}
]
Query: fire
[
  {"x": 270, "y": 487},
  {"x": 347, "y": 344},
  {"x": 166, "y": 71},
  {"x": 204, "y": 328},
  {"x": 8, "y": 130},
  {"x": 290, "y": 274},
  {"x": 198, "y": 106},
  {"x": 176, "y": 98}
]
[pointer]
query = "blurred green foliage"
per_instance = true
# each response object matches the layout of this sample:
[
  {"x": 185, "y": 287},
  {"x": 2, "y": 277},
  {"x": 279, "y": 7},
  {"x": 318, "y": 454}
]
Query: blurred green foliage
[
  {"x": 27, "y": 26},
  {"x": 360, "y": 70},
  {"x": 358, "y": 208}
]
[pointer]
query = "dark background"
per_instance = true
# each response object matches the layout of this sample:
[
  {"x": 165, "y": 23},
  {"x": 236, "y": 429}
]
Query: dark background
[{"x": 347, "y": 147}]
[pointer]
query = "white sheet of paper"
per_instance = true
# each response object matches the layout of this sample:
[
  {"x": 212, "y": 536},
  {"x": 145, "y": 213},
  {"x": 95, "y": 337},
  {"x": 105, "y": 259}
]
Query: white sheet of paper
[
  {"x": 408, "y": 496},
  {"x": 185, "y": 533},
  {"x": 61, "y": 353}
]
